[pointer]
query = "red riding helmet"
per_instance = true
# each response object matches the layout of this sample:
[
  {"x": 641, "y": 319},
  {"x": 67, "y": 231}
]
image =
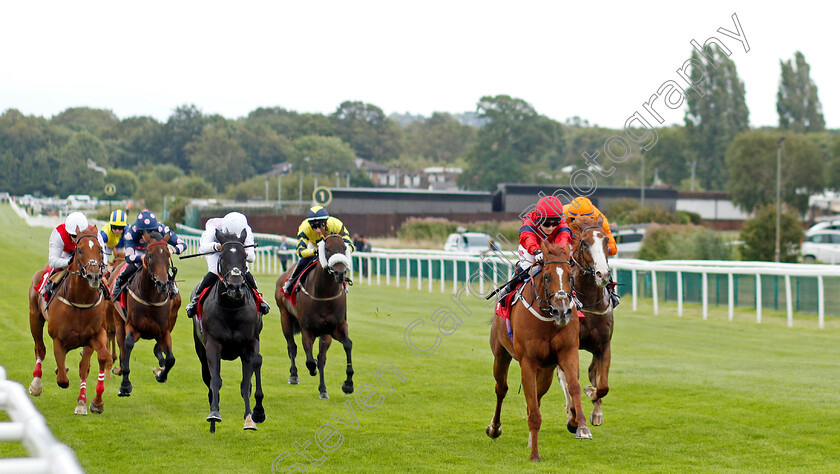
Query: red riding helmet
[{"x": 549, "y": 206}]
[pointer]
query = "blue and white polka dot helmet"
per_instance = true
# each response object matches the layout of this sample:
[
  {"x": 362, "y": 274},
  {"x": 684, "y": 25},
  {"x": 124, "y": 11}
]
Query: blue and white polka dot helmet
[{"x": 146, "y": 220}]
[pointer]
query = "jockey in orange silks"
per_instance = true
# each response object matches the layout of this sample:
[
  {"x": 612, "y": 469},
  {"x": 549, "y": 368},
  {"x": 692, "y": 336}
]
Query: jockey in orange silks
[{"x": 580, "y": 207}]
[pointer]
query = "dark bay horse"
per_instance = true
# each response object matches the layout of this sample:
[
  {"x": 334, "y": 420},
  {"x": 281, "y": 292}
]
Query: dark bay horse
[
  {"x": 111, "y": 314},
  {"x": 75, "y": 319},
  {"x": 591, "y": 277},
  {"x": 545, "y": 335},
  {"x": 230, "y": 327},
  {"x": 150, "y": 311},
  {"x": 320, "y": 311}
]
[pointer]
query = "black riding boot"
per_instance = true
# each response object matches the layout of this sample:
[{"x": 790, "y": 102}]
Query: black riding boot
[
  {"x": 249, "y": 279},
  {"x": 205, "y": 282},
  {"x": 614, "y": 298},
  {"x": 122, "y": 279},
  {"x": 520, "y": 276},
  {"x": 301, "y": 265}
]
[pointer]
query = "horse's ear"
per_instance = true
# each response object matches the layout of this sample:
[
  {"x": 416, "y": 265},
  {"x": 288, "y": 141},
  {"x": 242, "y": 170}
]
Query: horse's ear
[
  {"x": 600, "y": 221},
  {"x": 220, "y": 236},
  {"x": 146, "y": 237},
  {"x": 242, "y": 235},
  {"x": 165, "y": 238}
]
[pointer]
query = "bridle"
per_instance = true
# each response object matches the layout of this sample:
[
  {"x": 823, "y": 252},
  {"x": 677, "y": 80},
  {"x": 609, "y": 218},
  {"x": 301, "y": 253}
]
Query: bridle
[
  {"x": 586, "y": 269},
  {"x": 171, "y": 271},
  {"x": 544, "y": 305},
  {"x": 84, "y": 271},
  {"x": 235, "y": 271}
]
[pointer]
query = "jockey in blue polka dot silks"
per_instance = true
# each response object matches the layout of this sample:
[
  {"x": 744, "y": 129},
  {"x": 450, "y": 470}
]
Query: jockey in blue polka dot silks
[{"x": 135, "y": 246}]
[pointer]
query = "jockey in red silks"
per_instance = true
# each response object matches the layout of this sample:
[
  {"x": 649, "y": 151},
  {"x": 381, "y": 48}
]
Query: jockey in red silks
[{"x": 546, "y": 222}]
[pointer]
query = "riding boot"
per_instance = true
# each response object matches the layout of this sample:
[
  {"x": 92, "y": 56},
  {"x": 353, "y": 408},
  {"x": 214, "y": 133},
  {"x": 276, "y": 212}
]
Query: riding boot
[
  {"x": 249, "y": 279},
  {"x": 301, "y": 265},
  {"x": 205, "y": 282},
  {"x": 123, "y": 279},
  {"x": 614, "y": 298},
  {"x": 518, "y": 278}
]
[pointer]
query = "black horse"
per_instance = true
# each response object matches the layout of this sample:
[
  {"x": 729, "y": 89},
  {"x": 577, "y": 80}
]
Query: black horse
[
  {"x": 230, "y": 327},
  {"x": 320, "y": 311}
]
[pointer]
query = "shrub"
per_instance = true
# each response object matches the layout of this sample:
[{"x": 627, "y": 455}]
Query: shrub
[
  {"x": 759, "y": 235},
  {"x": 683, "y": 242}
]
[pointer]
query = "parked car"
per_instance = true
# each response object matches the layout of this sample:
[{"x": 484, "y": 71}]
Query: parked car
[
  {"x": 473, "y": 242},
  {"x": 821, "y": 245},
  {"x": 833, "y": 224}
]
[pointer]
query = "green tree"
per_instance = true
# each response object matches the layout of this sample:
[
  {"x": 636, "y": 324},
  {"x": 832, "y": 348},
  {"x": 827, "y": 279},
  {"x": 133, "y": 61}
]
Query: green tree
[
  {"x": 797, "y": 102},
  {"x": 218, "y": 158},
  {"x": 751, "y": 166},
  {"x": 193, "y": 187},
  {"x": 440, "y": 138},
  {"x": 74, "y": 176},
  {"x": 717, "y": 111},
  {"x": 322, "y": 155},
  {"x": 263, "y": 145},
  {"x": 183, "y": 126},
  {"x": 514, "y": 134},
  {"x": 669, "y": 156},
  {"x": 368, "y": 130},
  {"x": 759, "y": 235},
  {"x": 140, "y": 140},
  {"x": 28, "y": 153},
  {"x": 124, "y": 181},
  {"x": 833, "y": 166},
  {"x": 98, "y": 122}
]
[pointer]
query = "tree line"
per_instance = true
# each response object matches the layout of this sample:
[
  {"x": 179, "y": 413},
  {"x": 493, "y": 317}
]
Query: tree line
[{"x": 192, "y": 154}]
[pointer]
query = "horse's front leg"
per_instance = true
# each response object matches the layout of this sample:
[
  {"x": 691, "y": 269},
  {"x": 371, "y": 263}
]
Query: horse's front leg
[
  {"x": 568, "y": 361},
  {"x": 247, "y": 359},
  {"x": 256, "y": 362},
  {"x": 214, "y": 365},
  {"x": 36, "y": 326},
  {"x": 529, "y": 388},
  {"x": 308, "y": 339},
  {"x": 323, "y": 346},
  {"x": 599, "y": 371},
  {"x": 103, "y": 356},
  {"x": 84, "y": 371},
  {"x": 341, "y": 336},
  {"x": 61, "y": 368},
  {"x": 126, "y": 346},
  {"x": 162, "y": 374}
]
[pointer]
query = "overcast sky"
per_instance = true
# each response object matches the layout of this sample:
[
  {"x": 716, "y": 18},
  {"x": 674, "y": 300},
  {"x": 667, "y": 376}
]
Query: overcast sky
[{"x": 597, "y": 60}]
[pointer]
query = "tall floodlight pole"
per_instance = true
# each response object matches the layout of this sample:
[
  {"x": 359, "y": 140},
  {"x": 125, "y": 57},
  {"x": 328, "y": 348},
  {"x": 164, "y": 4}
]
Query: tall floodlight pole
[{"x": 779, "y": 197}]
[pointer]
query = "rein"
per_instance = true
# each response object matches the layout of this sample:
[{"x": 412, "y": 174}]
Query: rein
[
  {"x": 557, "y": 294},
  {"x": 82, "y": 272}
]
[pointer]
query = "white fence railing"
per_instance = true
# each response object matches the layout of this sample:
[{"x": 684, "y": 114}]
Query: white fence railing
[
  {"x": 28, "y": 426},
  {"x": 481, "y": 273}
]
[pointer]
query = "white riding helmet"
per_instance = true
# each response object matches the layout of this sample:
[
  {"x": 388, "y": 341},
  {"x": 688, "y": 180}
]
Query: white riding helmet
[
  {"x": 234, "y": 223},
  {"x": 75, "y": 219}
]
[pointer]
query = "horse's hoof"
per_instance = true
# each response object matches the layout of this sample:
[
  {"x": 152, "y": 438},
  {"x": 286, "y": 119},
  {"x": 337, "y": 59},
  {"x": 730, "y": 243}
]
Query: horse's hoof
[
  {"x": 323, "y": 396},
  {"x": 116, "y": 370},
  {"x": 125, "y": 390},
  {"x": 583, "y": 433},
  {"x": 347, "y": 387},
  {"x": 97, "y": 409},
  {"x": 249, "y": 424},
  {"x": 572, "y": 428},
  {"x": 160, "y": 376},
  {"x": 591, "y": 392},
  {"x": 64, "y": 384},
  {"x": 258, "y": 415},
  {"x": 36, "y": 387},
  {"x": 312, "y": 366},
  {"x": 293, "y": 380},
  {"x": 80, "y": 408},
  {"x": 536, "y": 458},
  {"x": 214, "y": 416},
  {"x": 493, "y": 433},
  {"x": 597, "y": 419}
]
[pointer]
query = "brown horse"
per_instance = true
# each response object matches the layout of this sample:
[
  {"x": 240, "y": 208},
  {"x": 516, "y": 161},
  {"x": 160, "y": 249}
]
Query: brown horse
[
  {"x": 591, "y": 277},
  {"x": 320, "y": 311},
  {"x": 75, "y": 316},
  {"x": 151, "y": 310},
  {"x": 545, "y": 335}
]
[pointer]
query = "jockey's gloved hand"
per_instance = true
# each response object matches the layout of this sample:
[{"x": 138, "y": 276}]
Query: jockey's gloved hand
[
  {"x": 538, "y": 256},
  {"x": 217, "y": 246}
]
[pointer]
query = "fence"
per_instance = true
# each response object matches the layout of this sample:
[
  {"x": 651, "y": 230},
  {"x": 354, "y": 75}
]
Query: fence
[
  {"x": 793, "y": 287},
  {"x": 28, "y": 426}
]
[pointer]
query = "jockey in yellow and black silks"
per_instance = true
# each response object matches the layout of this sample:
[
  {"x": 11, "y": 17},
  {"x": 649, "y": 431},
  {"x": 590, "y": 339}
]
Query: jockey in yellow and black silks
[
  {"x": 112, "y": 233},
  {"x": 315, "y": 228}
]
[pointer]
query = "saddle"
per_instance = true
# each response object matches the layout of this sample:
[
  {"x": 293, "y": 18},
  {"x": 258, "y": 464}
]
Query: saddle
[
  {"x": 292, "y": 297},
  {"x": 199, "y": 306}
]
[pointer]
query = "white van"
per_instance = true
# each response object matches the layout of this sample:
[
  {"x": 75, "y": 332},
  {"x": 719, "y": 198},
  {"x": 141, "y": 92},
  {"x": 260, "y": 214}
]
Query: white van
[{"x": 472, "y": 242}]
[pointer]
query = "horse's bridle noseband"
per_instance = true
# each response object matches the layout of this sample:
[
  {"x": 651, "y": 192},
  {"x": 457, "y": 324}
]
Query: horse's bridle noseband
[
  {"x": 557, "y": 294},
  {"x": 586, "y": 269},
  {"x": 172, "y": 271},
  {"x": 235, "y": 271}
]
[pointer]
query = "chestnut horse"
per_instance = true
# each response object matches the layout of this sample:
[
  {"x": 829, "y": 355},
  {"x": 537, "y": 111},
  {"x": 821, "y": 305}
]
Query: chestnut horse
[
  {"x": 150, "y": 311},
  {"x": 320, "y": 311},
  {"x": 230, "y": 327},
  {"x": 545, "y": 335},
  {"x": 591, "y": 277},
  {"x": 75, "y": 319}
]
